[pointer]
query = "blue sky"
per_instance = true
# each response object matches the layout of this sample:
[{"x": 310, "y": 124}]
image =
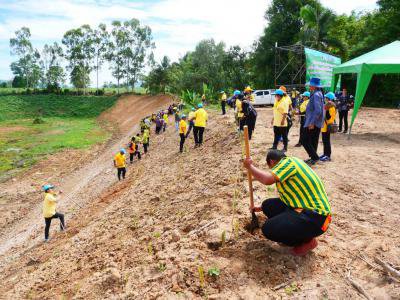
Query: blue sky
[{"x": 177, "y": 25}]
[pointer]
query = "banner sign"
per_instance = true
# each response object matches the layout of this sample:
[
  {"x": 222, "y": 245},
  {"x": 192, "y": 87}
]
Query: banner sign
[{"x": 319, "y": 64}]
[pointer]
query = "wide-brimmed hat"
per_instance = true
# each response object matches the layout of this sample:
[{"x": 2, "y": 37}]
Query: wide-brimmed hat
[{"x": 314, "y": 81}]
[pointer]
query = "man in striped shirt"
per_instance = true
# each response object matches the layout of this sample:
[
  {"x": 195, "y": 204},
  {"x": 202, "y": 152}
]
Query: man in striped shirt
[{"x": 302, "y": 211}]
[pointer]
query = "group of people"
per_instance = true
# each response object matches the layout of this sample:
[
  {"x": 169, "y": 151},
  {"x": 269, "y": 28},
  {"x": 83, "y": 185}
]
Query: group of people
[{"x": 317, "y": 114}]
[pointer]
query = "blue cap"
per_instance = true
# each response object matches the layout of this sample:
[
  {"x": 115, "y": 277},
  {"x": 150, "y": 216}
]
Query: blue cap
[
  {"x": 183, "y": 116},
  {"x": 193, "y": 109},
  {"x": 330, "y": 96},
  {"x": 237, "y": 92},
  {"x": 306, "y": 94},
  {"x": 122, "y": 150},
  {"x": 47, "y": 187},
  {"x": 314, "y": 81},
  {"x": 200, "y": 105},
  {"x": 279, "y": 92}
]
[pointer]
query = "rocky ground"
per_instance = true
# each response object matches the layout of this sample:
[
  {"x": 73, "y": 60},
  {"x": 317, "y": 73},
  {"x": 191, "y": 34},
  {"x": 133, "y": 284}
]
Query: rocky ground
[{"x": 175, "y": 228}]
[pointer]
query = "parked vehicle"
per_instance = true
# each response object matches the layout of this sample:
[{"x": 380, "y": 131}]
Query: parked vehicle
[{"x": 264, "y": 97}]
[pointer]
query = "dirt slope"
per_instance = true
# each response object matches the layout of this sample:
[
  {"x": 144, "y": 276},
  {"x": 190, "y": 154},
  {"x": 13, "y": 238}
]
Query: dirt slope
[
  {"x": 82, "y": 175},
  {"x": 137, "y": 239}
]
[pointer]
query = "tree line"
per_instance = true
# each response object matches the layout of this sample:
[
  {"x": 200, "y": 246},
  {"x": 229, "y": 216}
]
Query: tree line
[
  {"x": 305, "y": 22},
  {"x": 126, "y": 46}
]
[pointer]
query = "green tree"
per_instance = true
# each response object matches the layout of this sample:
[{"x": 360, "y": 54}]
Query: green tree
[
  {"x": 158, "y": 79},
  {"x": 51, "y": 64},
  {"x": 101, "y": 40},
  {"x": 79, "y": 53}
]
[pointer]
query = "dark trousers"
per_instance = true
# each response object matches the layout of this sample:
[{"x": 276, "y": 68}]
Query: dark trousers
[
  {"x": 310, "y": 142},
  {"x": 223, "y": 104},
  {"x": 280, "y": 132},
  {"x": 326, "y": 139},
  {"x": 302, "y": 129},
  {"x": 242, "y": 122},
  {"x": 48, "y": 223},
  {"x": 285, "y": 225},
  {"x": 191, "y": 124},
  {"x": 198, "y": 135},
  {"x": 182, "y": 142},
  {"x": 145, "y": 146},
  {"x": 138, "y": 154},
  {"x": 343, "y": 114},
  {"x": 158, "y": 129},
  {"x": 131, "y": 155},
  {"x": 251, "y": 124},
  {"x": 121, "y": 172}
]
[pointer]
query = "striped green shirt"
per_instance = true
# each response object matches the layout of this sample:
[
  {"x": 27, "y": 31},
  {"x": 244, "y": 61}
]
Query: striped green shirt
[{"x": 300, "y": 187}]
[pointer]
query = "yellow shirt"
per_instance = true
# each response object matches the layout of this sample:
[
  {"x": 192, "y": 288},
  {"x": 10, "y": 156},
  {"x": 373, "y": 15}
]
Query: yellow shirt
[
  {"x": 120, "y": 160},
  {"x": 238, "y": 105},
  {"x": 280, "y": 107},
  {"x": 49, "y": 205},
  {"x": 303, "y": 106},
  {"x": 223, "y": 97},
  {"x": 191, "y": 116},
  {"x": 331, "y": 120},
  {"x": 165, "y": 117},
  {"x": 182, "y": 126},
  {"x": 145, "y": 137},
  {"x": 287, "y": 98},
  {"x": 201, "y": 117},
  {"x": 251, "y": 98}
]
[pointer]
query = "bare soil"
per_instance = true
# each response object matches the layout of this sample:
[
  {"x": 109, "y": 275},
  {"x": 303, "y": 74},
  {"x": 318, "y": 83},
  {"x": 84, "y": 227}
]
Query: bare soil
[{"x": 140, "y": 238}]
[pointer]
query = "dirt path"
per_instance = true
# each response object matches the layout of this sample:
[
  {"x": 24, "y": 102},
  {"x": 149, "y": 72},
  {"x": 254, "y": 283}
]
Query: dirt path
[
  {"x": 88, "y": 179},
  {"x": 137, "y": 239}
]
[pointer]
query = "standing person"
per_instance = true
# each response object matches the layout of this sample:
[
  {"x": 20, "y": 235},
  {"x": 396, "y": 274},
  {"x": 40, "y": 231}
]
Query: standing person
[
  {"x": 158, "y": 125},
  {"x": 330, "y": 114},
  {"x": 120, "y": 163},
  {"x": 182, "y": 132},
  {"x": 250, "y": 116},
  {"x": 238, "y": 109},
  {"x": 343, "y": 107},
  {"x": 223, "y": 102},
  {"x": 279, "y": 120},
  {"x": 49, "y": 209},
  {"x": 177, "y": 119},
  {"x": 191, "y": 121},
  {"x": 200, "y": 121},
  {"x": 138, "y": 141},
  {"x": 131, "y": 149},
  {"x": 302, "y": 112},
  {"x": 146, "y": 139},
  {"x": 302, "y": 212},
  {"x": 289, "y": 114},
  {"x": 166, "y": 120},
  {"x": 314, "y": 120}
]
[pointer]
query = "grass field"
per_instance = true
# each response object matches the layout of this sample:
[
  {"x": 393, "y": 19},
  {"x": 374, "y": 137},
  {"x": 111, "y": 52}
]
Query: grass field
[
  {"x": 122, "y": 90},
  {"x": 68, "y": 122}
]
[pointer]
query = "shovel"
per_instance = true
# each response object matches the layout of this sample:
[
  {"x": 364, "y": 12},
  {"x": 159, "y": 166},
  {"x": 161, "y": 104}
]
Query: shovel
[{"x": 254, "y": 221}]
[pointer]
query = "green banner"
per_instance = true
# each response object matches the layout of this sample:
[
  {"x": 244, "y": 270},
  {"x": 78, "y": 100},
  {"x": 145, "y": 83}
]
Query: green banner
[{"x": 319, "y": 64}]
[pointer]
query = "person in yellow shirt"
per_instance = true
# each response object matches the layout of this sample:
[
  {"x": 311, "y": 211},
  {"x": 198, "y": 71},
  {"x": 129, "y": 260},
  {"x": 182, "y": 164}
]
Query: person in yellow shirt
[
  {"x": 239, "y": 111},
  {"x": 120, "y": 163},
  {"x": 49, "y": 209},
  {"x": 290, "y": 105},
  {"x": 302, "y": 113},
  {"x": 182, "y": 132},
  {"x": 279, "y": 120},
  {"x": 223, "y": 102},
  {"x": 166, "y": 120},
  {"x": 146, "y": 139},
  {"x": 191, "y": 121},
  {"x": 200, "y": 121},
  {"x": 330, "y": 115},
  {"x": 248, "y": 94}
]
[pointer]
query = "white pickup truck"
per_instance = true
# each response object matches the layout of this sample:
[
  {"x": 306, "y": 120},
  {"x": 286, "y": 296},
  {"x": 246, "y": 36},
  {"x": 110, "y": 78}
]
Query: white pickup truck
[{"x": 264, "y": 97}]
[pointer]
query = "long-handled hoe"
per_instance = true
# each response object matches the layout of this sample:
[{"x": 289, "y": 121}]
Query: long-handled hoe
[{"x": 254, "y": 221}]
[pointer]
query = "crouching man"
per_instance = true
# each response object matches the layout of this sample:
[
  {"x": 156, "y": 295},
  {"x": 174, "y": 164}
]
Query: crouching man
[{"x": 302, "y": 211}]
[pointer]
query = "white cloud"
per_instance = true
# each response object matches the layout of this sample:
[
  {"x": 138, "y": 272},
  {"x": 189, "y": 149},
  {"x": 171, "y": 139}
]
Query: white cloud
[{"x": 177, "y": 25}]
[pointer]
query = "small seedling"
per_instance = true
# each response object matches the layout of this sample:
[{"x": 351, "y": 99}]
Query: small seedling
[
  {"x": 162, "y": 267},
  {"x": 223, "y": 238},
  {"x": 289, "y": 290},
  {"x": 157, "y": 234},
  {"x": 214, "y": 272},
  {"x": 200, "y": 269},
  {"x": 236, "y": 228},
  {"x": 150, "y": 248}
]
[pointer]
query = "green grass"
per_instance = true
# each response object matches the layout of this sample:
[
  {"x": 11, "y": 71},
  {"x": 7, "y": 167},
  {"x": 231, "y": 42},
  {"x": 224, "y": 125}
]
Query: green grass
[
  {"x": 69, "y": 123},
  {"x": 17, "y": 91}
]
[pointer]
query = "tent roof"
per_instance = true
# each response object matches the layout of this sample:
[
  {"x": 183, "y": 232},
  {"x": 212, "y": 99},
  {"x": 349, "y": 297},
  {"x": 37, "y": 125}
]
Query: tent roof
[{"x": 387, "y": 56}]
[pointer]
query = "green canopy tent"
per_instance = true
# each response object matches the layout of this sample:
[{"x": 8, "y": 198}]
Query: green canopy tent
[{"x": 383, "y": 60}]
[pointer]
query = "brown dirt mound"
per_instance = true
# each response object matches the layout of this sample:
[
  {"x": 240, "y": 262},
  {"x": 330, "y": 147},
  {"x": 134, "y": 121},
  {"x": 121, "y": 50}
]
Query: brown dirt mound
[{"x": 140, "y": 239}]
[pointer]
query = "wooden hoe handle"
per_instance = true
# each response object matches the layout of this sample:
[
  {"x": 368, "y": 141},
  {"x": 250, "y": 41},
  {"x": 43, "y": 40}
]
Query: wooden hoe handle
[{"x": 249, "y": 177}]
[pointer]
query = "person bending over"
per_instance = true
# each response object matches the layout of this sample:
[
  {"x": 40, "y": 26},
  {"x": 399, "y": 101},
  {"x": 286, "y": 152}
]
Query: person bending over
[{"x": 302, "y": 212}]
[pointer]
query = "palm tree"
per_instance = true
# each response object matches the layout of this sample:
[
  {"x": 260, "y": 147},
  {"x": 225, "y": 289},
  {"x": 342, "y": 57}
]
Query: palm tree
[{"x": 317, "y": 22}]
